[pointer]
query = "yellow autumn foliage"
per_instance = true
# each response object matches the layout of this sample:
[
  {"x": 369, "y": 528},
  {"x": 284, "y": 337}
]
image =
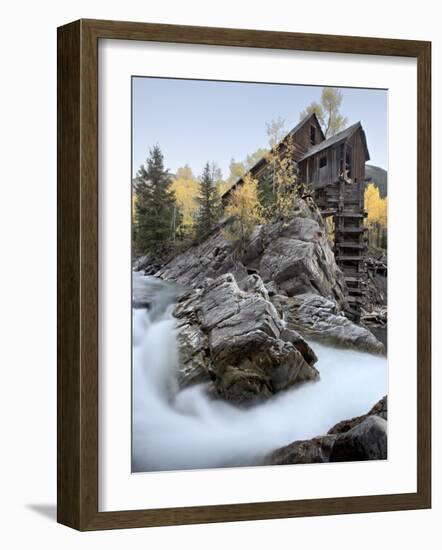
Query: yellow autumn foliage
[
  {"x": 134, "y": 209},
  {"x": 246, "y": 210},
  {"x": 376, "y": 220},
  {"x": 186, "y": 189},
  {"x": 284, "y": 177},
  {"x": 223, "y": 187}
]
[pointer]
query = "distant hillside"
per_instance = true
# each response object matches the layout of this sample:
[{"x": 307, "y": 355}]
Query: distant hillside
[{"x": 379, "y": 176}]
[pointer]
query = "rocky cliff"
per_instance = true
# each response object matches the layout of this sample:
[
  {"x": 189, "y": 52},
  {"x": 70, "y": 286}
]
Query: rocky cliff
[
  {"x": 292, "y": 257},
  {"x": 244, "y": 323},
  {"x": 297, "y": 267},
  {"x": 243, "y": 320}
]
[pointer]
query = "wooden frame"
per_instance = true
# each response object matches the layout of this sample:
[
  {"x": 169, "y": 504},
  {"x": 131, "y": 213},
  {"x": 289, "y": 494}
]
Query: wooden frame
[{"x": 77, "y": 461}]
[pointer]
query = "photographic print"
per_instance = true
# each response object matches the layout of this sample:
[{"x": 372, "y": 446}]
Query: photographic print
[{"x": 259, "y": 274}]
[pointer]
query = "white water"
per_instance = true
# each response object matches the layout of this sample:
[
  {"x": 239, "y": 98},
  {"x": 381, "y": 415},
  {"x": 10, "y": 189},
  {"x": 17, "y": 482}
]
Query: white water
[{"x": 184, "y": 429}]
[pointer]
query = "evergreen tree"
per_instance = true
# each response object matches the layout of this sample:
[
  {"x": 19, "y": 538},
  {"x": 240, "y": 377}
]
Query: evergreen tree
[
  {"x": 156, "y": 212},
  {"x": 209, "y": 209}
]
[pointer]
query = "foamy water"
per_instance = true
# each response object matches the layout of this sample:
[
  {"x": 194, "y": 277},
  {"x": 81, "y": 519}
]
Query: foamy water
[{"x": 184, "y": 429}]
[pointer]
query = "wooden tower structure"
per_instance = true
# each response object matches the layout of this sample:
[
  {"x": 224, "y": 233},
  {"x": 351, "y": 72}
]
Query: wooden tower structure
[{"x": 334, "y": 169}]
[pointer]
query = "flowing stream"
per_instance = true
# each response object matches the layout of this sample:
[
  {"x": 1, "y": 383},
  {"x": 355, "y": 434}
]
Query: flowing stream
[{"x": 184, "y": 429}]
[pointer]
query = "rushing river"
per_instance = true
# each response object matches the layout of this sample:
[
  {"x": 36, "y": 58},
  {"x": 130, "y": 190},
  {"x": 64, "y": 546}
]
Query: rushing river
[{"x": 183, "y": 429}]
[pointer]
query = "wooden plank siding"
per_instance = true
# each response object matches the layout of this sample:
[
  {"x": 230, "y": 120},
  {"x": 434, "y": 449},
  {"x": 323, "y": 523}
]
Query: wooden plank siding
[
  {"x": 358, "y": 157},
  {"x": 302, "y": 135},
  {"x": 327, "y": 165},
  {"x": 312, "y": 173}
]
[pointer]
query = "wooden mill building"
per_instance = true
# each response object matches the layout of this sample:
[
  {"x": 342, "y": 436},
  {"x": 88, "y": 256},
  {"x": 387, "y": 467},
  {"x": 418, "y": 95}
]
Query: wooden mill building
[{"x": 334, "y": 169}]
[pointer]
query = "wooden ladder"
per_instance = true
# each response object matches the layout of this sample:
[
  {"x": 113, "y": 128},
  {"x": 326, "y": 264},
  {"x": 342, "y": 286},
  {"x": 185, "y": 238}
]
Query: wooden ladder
[{"x": 345, "y": 202}]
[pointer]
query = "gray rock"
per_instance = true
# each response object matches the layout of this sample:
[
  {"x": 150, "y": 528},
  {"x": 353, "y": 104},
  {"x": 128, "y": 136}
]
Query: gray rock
[
  {"x": 360, "y": 438},
  {"x": 271, "y": 288},
  {"x": 148, "y": 264},
  {"x": 141, "y": 262},
  {"x": 233, "y": 338},
  {"x": 366, "y": 441},
  {"x": 195, "y": 364},
  {"x": 296, "y": 256},
  {"x": 319, "y": 318},
  {"x": 209, "y": 259},
  {"x": 300, "y": 344},
  {"x": 253, "y": 284},
  {"x": 308, "y": 451},
  {"x": 380, "y": 409}
]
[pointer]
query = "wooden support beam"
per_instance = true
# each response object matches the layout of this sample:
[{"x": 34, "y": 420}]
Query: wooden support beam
[
  {"x": 347, "y": 244},
  {"x": 354, "y": 299},
  {"x": 353, "y": 230},
  {"x": 350, "y": 258},
  {"x": 352, "y": 214},
  {"x": 356, "y": 278},
  {"x": 356, "y": 291},
  {"x": 328, "y": 212}
]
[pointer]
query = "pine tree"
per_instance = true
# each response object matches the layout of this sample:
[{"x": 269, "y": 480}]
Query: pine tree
[
  {"x": 209, "y": 203},
  {"x": 156, "y": 212}
]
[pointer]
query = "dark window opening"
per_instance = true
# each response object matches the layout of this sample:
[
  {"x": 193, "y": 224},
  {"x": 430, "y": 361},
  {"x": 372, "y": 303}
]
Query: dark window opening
[
  {"x": 322, "y": 162},
  {"x": 312, "y": 135},
  {"x": 341, "y": 158},
  {"x": 348, "y": 164}
]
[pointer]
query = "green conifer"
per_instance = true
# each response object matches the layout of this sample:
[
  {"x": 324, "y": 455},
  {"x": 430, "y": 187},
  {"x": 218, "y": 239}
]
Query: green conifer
[
  {"x": 209, "y": 210},
  {"x": 157, "y": 216}
]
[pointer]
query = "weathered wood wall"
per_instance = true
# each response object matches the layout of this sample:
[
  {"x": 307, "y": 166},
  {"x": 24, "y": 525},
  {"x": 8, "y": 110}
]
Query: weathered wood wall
[
  {"x": 302, "y": 136},
  {"x": 357, "y": 157},
  {"x": 326, "y": 166},
  {"x": 312, "y": 173}
]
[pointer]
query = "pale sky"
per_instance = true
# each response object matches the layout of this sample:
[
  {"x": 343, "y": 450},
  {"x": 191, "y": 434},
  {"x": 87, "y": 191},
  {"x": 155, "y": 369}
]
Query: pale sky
[{"x": 195, "y": 121}]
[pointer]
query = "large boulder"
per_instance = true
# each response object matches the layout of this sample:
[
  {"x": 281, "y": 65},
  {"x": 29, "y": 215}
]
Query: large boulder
[
  {"x": 295, "y": 255},
  {"x": 319, "y": 318},
  {"x": 308, "y": 451},
  {"x": 236, "y": 339},
  {"x": 360, "y": 438},
  {"x": 301, "y": 261},
  {"x": 366, "y": 441}
]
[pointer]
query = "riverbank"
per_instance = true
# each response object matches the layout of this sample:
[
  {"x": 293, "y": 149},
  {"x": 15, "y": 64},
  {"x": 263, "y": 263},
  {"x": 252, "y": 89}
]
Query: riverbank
[{"x": 187, "y": 428}]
